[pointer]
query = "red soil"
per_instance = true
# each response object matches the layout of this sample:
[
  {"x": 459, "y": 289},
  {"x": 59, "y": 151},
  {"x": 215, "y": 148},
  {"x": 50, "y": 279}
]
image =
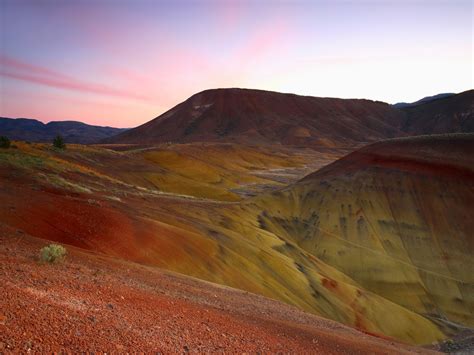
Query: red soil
[{"x": 90, "y": 302}]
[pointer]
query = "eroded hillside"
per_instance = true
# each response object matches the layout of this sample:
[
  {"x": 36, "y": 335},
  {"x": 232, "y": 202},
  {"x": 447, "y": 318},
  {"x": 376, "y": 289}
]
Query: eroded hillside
[{"x": 353, "y": 242}]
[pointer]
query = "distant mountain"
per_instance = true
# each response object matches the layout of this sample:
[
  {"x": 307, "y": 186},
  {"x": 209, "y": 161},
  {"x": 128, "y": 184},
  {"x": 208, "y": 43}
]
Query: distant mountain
[
  {"x": 72, "y": 131},
  {"x": 449, "y": 114},
  {"x": 259, "y": 117},
  {"x": 423, "y": 100}
]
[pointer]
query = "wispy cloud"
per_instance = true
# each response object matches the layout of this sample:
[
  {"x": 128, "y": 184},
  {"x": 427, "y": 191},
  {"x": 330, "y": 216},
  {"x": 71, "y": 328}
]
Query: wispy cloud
[{"x": 17, "y": 69}]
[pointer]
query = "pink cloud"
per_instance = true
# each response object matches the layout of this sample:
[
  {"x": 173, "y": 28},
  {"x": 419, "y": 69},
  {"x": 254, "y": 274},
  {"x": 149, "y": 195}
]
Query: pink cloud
[
  {"x": 14, "y": 64},
  {"x": 16, "y": 69},
  {"x": 167, "y": 75}
]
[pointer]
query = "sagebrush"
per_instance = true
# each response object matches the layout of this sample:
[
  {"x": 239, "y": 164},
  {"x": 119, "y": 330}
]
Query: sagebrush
[{"x": 52, "y": 253}]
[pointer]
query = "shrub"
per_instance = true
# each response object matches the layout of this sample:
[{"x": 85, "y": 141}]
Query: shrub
[
  {"x": 58, "y": 142},
  {"x": 4, "y": 142},
  {"x": 52, "y": 253}
]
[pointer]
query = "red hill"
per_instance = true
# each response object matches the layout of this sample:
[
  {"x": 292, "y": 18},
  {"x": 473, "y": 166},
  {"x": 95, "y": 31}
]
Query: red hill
[{"x": 255, "y": 116}]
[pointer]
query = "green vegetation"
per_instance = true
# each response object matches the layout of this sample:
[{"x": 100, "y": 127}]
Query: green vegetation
[
  {"x": 58, "y": 143},
  {"x": 20, "y": 159},
  {"x": 52, "y": 253},
  {"x": 4, "y": 142}
]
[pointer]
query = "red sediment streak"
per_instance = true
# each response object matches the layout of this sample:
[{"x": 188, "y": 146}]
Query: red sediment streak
[
  {"x": 329, "y": 284},
  {"x": 377, "y": 335},
  {"x": 405, "y": 160}
]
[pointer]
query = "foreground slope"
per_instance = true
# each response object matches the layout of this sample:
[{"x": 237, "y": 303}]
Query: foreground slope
[
  {"x": 94, "y": 303},
  {"x": 395, "y": 217},
  {"x": 256, "y": 116}
]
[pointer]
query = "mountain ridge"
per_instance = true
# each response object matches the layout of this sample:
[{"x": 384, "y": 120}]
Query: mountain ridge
[
  {"x": 29, "y": 129},
  {"x": 424, "y": 100}
]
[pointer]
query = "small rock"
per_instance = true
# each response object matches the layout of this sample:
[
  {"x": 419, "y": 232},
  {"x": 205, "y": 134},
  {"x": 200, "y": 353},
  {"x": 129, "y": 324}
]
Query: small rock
[
  {"x": 110, "y": 306},
  {"x": 186, "y": 349},
  {"x": 3, "y": 319}
]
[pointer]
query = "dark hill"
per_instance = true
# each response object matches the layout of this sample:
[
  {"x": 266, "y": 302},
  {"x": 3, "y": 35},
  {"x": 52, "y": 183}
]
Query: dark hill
[
  {"x": 452, "y": 114},
  {"x": 423, "y": 100},
  {"x": 73, "y": 132}
]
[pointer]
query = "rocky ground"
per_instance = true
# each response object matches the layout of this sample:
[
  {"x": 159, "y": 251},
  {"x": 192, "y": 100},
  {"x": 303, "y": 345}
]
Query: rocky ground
[
  {"x": 461, "y": 344},
  {"x": 90, "y": 302}
]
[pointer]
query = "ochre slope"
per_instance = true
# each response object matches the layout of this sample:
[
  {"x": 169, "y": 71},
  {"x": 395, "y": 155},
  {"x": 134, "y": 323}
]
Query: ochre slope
[
  {"x": 395, "y": 217},
  {"x": 215, "y": 171}
]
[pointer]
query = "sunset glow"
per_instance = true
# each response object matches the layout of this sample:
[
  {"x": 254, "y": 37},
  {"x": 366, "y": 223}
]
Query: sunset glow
[{"x": 122, "y": 63}]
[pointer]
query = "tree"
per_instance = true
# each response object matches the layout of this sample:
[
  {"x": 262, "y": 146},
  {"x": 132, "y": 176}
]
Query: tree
[
  {"x": 4, "y": 142},
  {"x": 58, "y": 142}
]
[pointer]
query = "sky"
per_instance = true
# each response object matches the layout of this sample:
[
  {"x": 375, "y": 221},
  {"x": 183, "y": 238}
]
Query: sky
[{"x": 123, "y": 62}]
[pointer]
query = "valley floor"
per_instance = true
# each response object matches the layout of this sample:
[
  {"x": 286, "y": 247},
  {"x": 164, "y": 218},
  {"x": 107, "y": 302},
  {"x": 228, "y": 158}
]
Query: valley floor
[{"x": 91, "y": 302}]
